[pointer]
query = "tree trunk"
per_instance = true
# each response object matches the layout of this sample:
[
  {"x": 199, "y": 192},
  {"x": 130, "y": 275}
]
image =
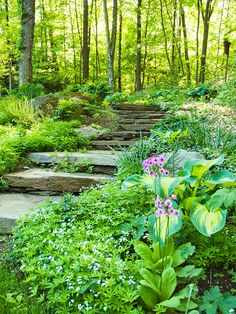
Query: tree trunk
[
  {"x": 145, "y": 43},
  {"x": 197, "y": 42},
  {"x": 206, "y": 14},
  {"x": 10, "y": 75},
  {"x": 85, "y": 51},
  {"x": 80, "y": 41},
  {"x": 188, "y": 69},
  {"x": 73, "y": 45},
  {"x": 139, "y": 51},
  {"x": 120, "y": 53},
  {"x": 27, "y": 38},
  {"x": 111, "y": 41},
  {"x": 97, "y": 66}
]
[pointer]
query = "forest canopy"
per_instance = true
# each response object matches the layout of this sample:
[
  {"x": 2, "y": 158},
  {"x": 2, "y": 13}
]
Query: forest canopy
[{"x": 133, "y": 43}]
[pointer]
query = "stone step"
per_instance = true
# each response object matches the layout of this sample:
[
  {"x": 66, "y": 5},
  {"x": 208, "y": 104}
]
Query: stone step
[
  {"x": 140, "y": 115},
  {"x": 111, "y": 144},
  {"x": 123, "y": 106},
  {"x": 138, "y": 121},
  {"x": 44, "y": 180},
  {"x": 15, "y": 205},
  {"x": 122, "y": 135},
  {"x": 136, "y": 127}
]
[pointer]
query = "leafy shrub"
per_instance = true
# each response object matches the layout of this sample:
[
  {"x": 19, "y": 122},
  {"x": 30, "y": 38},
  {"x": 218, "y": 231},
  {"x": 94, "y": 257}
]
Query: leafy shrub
[
  {"x": 203, "y": 91},
  {"x": 227, "y": 94},
  {"x": 99, "y": 90},
  {"x": 116, "y": 98},
  {"x": 18, "y": 112},
  {"x": 75, "y": 256},
  {"x": 29, "y": 90},
  {"x": 69, "y": 109}
]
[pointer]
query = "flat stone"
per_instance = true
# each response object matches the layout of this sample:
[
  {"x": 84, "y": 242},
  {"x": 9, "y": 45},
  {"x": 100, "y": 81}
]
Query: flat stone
[
  {"x": 48, "y": 180},
  {"x": 15, "y": 205},
  {"x": 136, "y": 127},
  {"x": 107, "y": 144},
  {"x": 140, "y": 114},
  {"x": 124, "y": 106},
  {"x": 121, "y": 135},
  {"x": 139, "y": 121},
  {"x": 90, "y": 131},
  {"x": 94, "y": 158}
]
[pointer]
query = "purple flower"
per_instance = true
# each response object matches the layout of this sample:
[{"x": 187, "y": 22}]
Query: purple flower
[
  {"x": 168, "y": 203},
  {"x": 161, "y": 158},
  {"x": 160, "y": 164},
  {"x": 160, "y": 212},
  {"x": 162, "y": 171},
  {"x": 167, "y": 172},
  {"x": 174, "y": 197},
  {"x": 176, "y": 213},
  {"x": 158, "y": 202},
  {"x": 171, "y": 210}
]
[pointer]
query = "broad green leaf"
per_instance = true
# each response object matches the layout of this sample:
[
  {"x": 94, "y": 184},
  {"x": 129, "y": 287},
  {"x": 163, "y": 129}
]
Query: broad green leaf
[
  {"x": 219, "y": 177},
  {"x": 185, "y": 292},
  {"x": 169, "y": 283},
  {"x": 149, "y": 297},
  {"x": 222, "y": 198},
  {"x": 146, "y": 180},
  {"x": 164, "y": 262},
  {"x": 164, "y": 226},
  {"x": 184, "y": 303},
  {"x": 182, "y": 253},
  {"x": 144, "y": 251},
  {"x": 172, "y": 302},
  {"x": 207, "y": 222},
  {"x": 165, "y": 186},
  {"x": 188, "y": 203},
  {"x": 193, "y": 312},
  {"x": 152, "y": 278},
  {"x": 199, "y": 167},
  {"x": 227, "y": 303},
  {"x": 188, "y": 271}
]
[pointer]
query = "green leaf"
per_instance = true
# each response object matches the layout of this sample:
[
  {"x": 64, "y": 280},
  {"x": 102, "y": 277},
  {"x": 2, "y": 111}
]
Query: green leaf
[
  {"x": 219, "y": 177},
  {"x": 146, "y": 180},
  {"x": 149, "y": 297},
  {"x": 169, "y": 283},
  {"x": 198, "y": 167},
  {"x": 193, "y": 312},
  {"x": 172, "y": 302},
  {"x": 163, "y": 227},
  {"x": 227, "y": 303},
  {"x": 165, "y": 186},
  {"x": 182, "y": 253},
  {"x": 188, "y": 271},
  {"x": 207, "y": 222},
  {"x": 164, "y": 262},
  {"x": 152, "y": 279},
  {"x": 222, "y": 198},
  {"x": 144, "y": 251}
]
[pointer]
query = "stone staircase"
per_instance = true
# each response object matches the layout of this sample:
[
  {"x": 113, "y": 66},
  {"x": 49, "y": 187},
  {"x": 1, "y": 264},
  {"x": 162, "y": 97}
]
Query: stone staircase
[{"x": 41, "y": 179}]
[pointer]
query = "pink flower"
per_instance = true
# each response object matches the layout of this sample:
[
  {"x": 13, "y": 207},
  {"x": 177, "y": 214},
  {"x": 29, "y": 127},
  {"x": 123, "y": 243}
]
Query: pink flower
[
  {"x": 168, "y": 203},
  {"x": 174, "y": 197},
  {"x": 167, "y": 172},
  {"x": 162, "y": 171},
  {"x": 160, "y": 164},
  {"x": 158, "y": 202},
  {"x": 171, "y": 210},
  {"x": 160, "y": 212},
  {"x": 161, "y": 158},
  {"x": 176, "y": 213}
]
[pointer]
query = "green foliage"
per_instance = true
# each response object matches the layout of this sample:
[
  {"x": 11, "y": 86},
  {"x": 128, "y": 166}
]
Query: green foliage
[
  {"x": 66, "y": 165},
  {"x": 203, "y": 90},
  {"x": 227, "y": 94},
  {"x": 74, "y": 256},
  {"x": 213, "y": 302},
  {"x": 29, "y": 90},
  {"x": 18, "y": 112},
  {"x": 116, "y": 98},
  {"x": 69, "y": 109},
  {"x": 99, "y": 90}
]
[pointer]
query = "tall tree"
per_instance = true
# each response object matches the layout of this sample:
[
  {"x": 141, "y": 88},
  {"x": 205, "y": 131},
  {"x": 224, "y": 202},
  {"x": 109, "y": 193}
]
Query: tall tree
[
  {"x": 138, "y": 84},
  {"x": 10, "y": 75},
  {"x": 85, "y": 51},
  {"x": 206, "y": 15},
  {"x": 111, "y": 41},
  {"x": 27, "y": 38}
]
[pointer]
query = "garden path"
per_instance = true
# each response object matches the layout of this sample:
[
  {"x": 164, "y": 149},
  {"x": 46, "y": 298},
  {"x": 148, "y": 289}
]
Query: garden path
[{"x": 28, "y": 187}]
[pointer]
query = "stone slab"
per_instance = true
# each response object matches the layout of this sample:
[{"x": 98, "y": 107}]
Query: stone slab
[
  {"x": 15, "y": 205},
  {"x": 48, "y": 180},
  {"x": 125, "y": 106},
  {"x": 136, "y": 127},
  {"x": 106, "y": 144},
  {"x": 94, "y": 158},
  {"x": 139, "y": 121}
]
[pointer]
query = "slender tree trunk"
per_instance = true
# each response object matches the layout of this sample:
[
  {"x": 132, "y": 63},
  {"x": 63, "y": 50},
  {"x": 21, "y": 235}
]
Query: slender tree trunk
[
  {"x": 187, "y": 61},
  {"x": 96, "y": 41},
  {"x": 27, "y": 38},
  {"x": 120, "y": 53},
  {"x": 52, "y": 42},
  {"x": 111, "y": 41},
  {"x": 138, "y": 86},
  {"x": 206, "y": 21},
  {"x": 85, "y": 51},
  {"x": 219, "y": 35},
  {"x": 80, "y": 41},
  {"x": 73, "y": 44},
  {"x": 197, "y": 42},
  {"x": 165, "y": 40},
  {"x": 10, "y": 75},
  {"x": 145, "y": 43}
]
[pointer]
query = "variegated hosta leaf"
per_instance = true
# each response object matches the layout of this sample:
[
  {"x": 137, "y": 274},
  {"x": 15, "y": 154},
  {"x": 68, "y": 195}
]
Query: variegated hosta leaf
[
  {"x": 207, "y": 222},
  {"x": 165, "y": 186},
  {"x": 161, "y": 228},
  {"x": 220, "y": 177},
  {"x": 146, "y": 180},
  {"x": 199, "y": 167}
]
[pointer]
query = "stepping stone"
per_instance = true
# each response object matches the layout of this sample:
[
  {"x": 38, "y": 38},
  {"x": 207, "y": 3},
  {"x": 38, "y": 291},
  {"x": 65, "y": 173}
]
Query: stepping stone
[
  {"x": 48, "y": 181},
  {"x": 122, "y": 135},
  {"x": 94, "y": 158},
  {"x": 111, "y": 144},
  {"x": 136, "y": 127},
  {"x": 134, "y": 107},
  {"x": 139, "y": 121},
  {"x": 140, "y": 114},
  {"x": 15, "y": 205}
]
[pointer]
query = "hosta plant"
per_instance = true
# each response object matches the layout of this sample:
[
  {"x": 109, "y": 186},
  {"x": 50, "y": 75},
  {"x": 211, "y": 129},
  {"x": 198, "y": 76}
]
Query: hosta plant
[{"x": 195, "y": 192}]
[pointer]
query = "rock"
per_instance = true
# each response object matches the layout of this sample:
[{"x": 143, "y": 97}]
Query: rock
[
  {"x": 181, "y": 156},
  {"x": 90, "y": 131}
]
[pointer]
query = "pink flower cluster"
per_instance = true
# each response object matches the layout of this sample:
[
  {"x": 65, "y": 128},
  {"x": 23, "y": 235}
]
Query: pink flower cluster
[
  {"x": 154, "y": 166},
  {"x": 165, "y": 207}
]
